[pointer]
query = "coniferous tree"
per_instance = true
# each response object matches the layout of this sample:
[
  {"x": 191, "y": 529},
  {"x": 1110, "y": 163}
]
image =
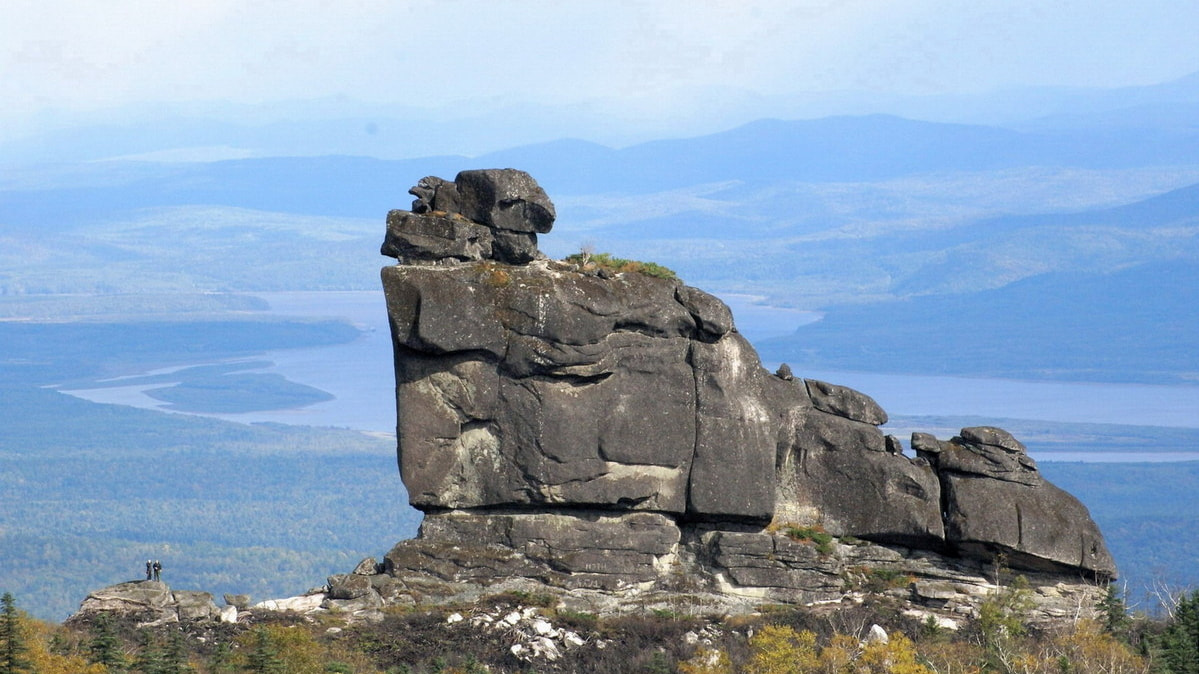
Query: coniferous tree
[
  {"x": 150, "y": 659},
  {"x": 1179, "y": 644},
  {"x": 264, "y": 658},
  {"x": 105, "y": 647},
  {"x": 221, "y": 661},
  {"x": 1114, "y": 613},
  {"x": 12, "y": 639},
  {"x": 175, "y": 655}
]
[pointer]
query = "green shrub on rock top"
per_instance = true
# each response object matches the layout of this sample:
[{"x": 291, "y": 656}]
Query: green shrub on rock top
[
  {"x": 588, "y": 260},
  {"x": 815, "y": 535}
]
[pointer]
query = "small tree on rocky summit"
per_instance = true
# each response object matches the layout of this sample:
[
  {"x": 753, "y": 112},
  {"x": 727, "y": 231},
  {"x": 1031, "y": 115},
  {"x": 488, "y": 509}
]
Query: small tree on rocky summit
[{"x": 12, "y": 639}]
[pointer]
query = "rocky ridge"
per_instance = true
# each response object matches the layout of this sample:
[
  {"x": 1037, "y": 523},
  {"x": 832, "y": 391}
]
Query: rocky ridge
[{"x": 608, "y": 437}]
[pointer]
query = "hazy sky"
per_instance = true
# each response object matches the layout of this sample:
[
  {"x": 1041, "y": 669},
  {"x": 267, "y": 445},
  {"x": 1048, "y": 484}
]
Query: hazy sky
[{"x": 84, "y": 55}]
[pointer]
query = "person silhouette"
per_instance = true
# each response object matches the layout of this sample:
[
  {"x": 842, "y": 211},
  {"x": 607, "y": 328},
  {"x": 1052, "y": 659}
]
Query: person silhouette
[
  {"x": 157, "y": 570},
  {"x": 149, "y": 569}
]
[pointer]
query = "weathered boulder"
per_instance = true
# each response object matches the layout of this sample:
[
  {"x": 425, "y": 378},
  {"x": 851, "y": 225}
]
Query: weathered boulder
[
  {"x": 845, "y": 402},
  {"x": 237, "y": 600},
  {"x": 494, "y": 213},
  {"x": 997, "y": 503},
  {"x": 131, "y": 597},
  {"x": 1033, "y": 527},
  {"x": 542, "y": 384},
  {"x": 301, "y": 604},
  {"x": 433, "y": 238},
  {"x": 836, "y": 472},
  {"x": 985, "y": 451}
]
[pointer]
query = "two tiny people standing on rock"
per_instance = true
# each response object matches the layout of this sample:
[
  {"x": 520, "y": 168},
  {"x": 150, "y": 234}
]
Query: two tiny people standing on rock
[{"x": 153, "y": 570}]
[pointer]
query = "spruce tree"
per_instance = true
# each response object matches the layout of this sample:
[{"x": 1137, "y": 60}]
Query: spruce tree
[
  {"x": 105, "y": 647},
  {"x": 1179, "y": 644},
  {"x": 264, "y": 658},
  {"x": 12, "y": 639},
  {"x": 1114, "y": 612},
  {"x": 150, "y": 659},
  {"x": 221, "y": 661},
  {"x": 175, "y": 655}
]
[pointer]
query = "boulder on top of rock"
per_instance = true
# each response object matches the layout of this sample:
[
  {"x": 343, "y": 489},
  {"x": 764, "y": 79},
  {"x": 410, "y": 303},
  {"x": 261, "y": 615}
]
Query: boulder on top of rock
[
  {"x": 987, "y": 452},
  {"x": 992, "y": 437},
  {"x": 491, "y": 214},
  {"x": 425, "y": 239},
  {"x": 996, "y": 502},
  {"x": 504, "y": 199},
  {"x": 845, "y": 402}
]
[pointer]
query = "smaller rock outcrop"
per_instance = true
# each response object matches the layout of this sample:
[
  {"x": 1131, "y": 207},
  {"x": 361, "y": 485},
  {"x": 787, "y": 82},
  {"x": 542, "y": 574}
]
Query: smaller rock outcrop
[
  {"x": 997, "y": 503},
  {"x": 481, "y": 215},
  {"x": 155, "y": 603}
]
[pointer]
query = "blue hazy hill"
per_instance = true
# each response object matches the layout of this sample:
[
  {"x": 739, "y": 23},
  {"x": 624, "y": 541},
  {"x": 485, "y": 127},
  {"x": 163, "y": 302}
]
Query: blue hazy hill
[{"x": 1134, "y": 325}]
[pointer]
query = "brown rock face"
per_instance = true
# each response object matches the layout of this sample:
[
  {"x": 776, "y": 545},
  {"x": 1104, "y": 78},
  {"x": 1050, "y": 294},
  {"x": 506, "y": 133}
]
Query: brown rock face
[{"x": 592, "y": 428}]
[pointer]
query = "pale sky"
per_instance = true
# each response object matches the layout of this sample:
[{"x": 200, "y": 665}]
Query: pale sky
[{"x": 77, "y": 56}]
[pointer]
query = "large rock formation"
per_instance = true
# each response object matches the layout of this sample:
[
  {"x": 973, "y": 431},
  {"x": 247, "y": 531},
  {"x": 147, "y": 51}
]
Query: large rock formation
[
  {"x": 575, "y": 426},
  {"x": 541, "y": 403}
]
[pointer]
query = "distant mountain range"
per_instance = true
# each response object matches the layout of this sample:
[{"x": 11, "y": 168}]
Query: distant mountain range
[
  {"x": 342, "y": 126},
  {"x": 835, "y": 149},
  {"x": 932, "y": 226}
]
